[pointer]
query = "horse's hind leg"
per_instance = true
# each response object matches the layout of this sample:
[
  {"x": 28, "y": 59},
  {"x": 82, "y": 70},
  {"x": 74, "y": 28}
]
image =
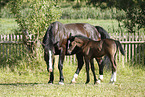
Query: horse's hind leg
[
  {"x": 80, "y": 65},
  {"x": 87, "y": 61},
  {"x": 101, "y": 67},
  {"x": 93, "y": 70}
]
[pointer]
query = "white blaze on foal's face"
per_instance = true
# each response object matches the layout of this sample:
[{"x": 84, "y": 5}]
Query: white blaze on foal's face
[
  {"x": 50, "y": 61},
  {"x": 68, "y": 44}
]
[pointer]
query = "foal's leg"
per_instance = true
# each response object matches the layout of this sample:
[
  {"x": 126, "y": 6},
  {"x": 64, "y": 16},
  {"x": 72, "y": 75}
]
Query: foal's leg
[
  {"x": 101, "y": 66},
  {"x": 93, "y": 70},
  {"x": 87, "y": 61},
  {"x": 114, "y": 69},
  {"x": 80, "y": 65}
]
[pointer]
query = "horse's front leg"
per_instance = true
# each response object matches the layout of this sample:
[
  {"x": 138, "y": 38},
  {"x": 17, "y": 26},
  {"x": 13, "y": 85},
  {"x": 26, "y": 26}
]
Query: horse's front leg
[
  {"x": 80, "y": 65},
  {"x": 93, "y": 70},
  {"x": 46, "y": 57},
  {"x": 101, "y": 66},
  {"x": 87, "y": 61},
  {"x": 60, "y": 65}
]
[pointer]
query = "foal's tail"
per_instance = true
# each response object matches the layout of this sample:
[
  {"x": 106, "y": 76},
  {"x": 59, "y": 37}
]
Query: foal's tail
[{"x": 120, "y": 47}]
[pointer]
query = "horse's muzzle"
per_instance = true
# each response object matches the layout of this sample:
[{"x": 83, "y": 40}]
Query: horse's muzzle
[
  {"x": 69, "y": 52},
  {"x": 50, "y": 69}
]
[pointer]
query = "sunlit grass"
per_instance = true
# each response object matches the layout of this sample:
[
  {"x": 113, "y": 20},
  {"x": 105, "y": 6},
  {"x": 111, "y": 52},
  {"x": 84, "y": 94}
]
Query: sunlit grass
[
  {"x": 8, "y": 26},
  {"x": 33, "y": 82}
]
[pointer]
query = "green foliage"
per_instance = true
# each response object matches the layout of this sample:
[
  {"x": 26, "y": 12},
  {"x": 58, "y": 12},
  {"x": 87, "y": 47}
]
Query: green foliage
[
  {"x": 91, "y": 13},
  {"x": 6, "y": 12},
  {"x": 135, "y": 14},
  {"x": 35, "y": 15},
  {"x": 3, "y": 3}
]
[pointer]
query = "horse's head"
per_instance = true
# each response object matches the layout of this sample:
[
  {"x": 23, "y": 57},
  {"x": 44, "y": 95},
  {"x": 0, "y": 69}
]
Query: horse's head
[{"x": 73, "y": 42}]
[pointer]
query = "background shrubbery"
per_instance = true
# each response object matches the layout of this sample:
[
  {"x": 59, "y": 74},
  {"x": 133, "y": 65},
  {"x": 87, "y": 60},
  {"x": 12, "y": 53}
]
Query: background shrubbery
[
  {"x": 36, "y": 15},
  {"x": 130, "y": 13},
  {"x": 91, "y": 13},
  {"x": 69, "y": 12}
]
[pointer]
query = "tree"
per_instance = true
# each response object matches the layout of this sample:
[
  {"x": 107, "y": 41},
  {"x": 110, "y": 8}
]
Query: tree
[
  {"x": 135, "y": 12},
  {"x": 34, "y": 17}
]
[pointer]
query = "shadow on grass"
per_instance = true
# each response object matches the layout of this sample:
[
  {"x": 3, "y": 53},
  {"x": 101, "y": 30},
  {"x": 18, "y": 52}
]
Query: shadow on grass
[
  {"x": 32, "y": 84},
  {"x": 16, "y": 84}
]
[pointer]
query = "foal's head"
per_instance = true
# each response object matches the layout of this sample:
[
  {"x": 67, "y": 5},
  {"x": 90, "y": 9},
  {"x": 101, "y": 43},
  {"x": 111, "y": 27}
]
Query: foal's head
[{"x": 75, "y": 42}]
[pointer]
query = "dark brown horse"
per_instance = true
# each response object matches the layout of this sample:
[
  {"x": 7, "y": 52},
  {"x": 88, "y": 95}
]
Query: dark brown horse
[
  {"x": 95, "y": 49},
  {"x": 55, "y": 43}
]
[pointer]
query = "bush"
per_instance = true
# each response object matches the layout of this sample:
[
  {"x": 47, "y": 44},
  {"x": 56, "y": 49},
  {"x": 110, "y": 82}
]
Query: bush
[
  {"x": 6, "y": 13},
  {"x": 35, "y": 15}
]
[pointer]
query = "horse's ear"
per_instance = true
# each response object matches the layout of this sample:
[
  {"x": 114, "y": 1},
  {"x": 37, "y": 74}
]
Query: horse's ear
[{"x": 70, "y": 35}]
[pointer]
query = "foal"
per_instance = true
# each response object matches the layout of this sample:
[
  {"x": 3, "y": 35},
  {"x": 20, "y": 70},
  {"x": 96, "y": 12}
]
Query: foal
[{"x": 95, "y": 49}]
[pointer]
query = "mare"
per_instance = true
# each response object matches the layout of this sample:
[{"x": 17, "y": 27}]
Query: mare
[
  {"x": 95, "y": 49},
  {"x": 55, "y": 43}
]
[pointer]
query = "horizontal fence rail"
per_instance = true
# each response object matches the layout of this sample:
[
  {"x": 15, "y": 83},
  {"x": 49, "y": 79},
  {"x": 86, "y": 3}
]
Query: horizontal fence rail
[{"x": 133, "y": 44}]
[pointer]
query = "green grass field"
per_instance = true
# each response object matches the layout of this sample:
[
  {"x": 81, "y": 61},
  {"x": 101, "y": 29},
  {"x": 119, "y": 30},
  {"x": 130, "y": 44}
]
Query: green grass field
[
  {"x": 33, "y": 82},
  {"x": 29, "y": 77},
  {"x": 8, "y": 26}
]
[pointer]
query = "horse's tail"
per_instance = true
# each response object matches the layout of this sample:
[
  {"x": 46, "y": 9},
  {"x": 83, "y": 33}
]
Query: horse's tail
[
  {"x": 120, "y": 47},
  {"x": 103, "y": 32}
]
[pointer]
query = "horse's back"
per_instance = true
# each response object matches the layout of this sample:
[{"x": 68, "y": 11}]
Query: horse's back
[{"x": 83, "y": 29}]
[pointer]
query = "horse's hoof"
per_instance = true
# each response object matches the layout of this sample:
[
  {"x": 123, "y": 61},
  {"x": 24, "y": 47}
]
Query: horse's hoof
[
  {"x": 61, "y": 83},
  {"x": 98, "y": 81},
  {"x": 101, "y": 80},
  {"x": 73, "y": 82},
  {"x": 87, "y": 82},
  {"x": 112, "y": 82},
  {"x": 50, "y": 82}
]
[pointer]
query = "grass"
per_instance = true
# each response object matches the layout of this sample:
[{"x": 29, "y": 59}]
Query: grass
[
  {"x": 8, "y": 26},
  {"x": 33, "y": 82}
]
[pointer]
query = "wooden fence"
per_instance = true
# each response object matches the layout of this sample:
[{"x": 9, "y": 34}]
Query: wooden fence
[
  {"x": 11, "y": 46},
  {"x": 133, "y": 44}
]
